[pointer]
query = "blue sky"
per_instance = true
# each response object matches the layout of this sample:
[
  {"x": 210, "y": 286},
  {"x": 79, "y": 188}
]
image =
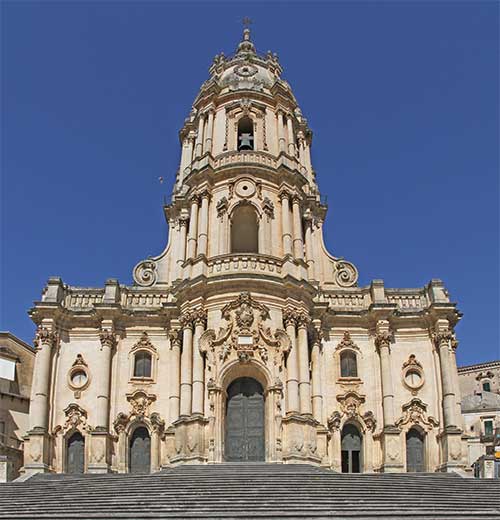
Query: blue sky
[{"x": 402, "y": 98}]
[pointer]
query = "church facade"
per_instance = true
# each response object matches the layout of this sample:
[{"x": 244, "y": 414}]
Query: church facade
[{"x": 245, "y": 339}]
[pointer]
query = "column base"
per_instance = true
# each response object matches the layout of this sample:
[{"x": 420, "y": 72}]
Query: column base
[
  {"x": 100, "y": 452},
  {"x": 37, "y": 451},
  {"x": 300, "y": 440},
  {"x": 452, "y": 449},
  {"x": 189, "y": 441},
  {"x": 392, "y": 450}
]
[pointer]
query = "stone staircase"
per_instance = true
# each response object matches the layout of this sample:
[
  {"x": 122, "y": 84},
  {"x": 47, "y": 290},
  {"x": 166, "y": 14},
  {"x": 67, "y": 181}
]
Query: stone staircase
[{"x": 251, "y": 491}]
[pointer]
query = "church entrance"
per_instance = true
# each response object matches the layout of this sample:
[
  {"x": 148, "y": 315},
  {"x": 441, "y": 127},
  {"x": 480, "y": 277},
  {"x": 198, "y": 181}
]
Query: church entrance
[
  {"x": 140, "y": 451},
  {"x": 414, "y": 451},
  {"x": 75, "y": 462},
  {"x": 351, "y": 449},
  {"x": 245, "y": 421}
]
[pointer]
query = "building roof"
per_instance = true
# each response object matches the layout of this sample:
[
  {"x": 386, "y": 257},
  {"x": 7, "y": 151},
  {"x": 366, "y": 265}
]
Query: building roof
[
  {"x": 479, "y": 366},
  {"x": 255, "y": 490}
]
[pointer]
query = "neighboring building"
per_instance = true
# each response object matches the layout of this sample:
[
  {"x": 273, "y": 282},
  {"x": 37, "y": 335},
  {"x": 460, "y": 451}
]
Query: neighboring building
[
  {"x": 480, "y": 388},
  {"x": 16, "y": 372},
  {"x": 245, "y": 339}
]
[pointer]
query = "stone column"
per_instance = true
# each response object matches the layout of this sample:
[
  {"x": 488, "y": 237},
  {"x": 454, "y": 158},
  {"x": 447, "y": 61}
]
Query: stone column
[
  {"x": 175, "y": 336},
  {"x": 383, "y": 339},
  {"x": 45, "y": 340},
  {"x": 298, "y": 245},
  {"x": 200, "y": 320},
  {"x": 108, "y": 342},
  {"x": 304, "y": 380},
  {"x": 292, "y": 366},
  {"x": 198, "y": 149},
  {"x": 309, "y": 246},
  {"x": 210, "y": 128},
  {"x": 281, "y": 132},
  {"x": 291, "y": 140},
  {"x": 193, "y": 227},
  {"x": 186, "y": 364},
  {"x": 316, "y": 386},
  {"x": 442, "y": 338},
  {"x": 183, "y": 224},
  {"x": 301, "y": 145},
  {"x": 285, "y": 222},
  {"x": 186, "y": 155},
  {"x": 203, "y": 234}
]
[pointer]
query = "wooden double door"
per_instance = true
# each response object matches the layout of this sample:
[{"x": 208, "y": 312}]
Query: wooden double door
[{"x": 244, "y": 432}]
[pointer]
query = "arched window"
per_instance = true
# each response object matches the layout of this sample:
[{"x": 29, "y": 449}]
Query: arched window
[
  {"x": 348, "y": 365},
  {"x": 351, "y": 442},
  {"x": 414, "y": 451},
  {"x": 245, "y": 134},
  {"x": 142, "y": 364},
  {"x": 75, "y": 454},
  {"x": 486, "y": 386},
  {"x": 244, "y": 230}
]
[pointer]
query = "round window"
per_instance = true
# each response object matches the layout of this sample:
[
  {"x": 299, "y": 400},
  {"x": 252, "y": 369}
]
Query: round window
[
  {"x": 413, "y": 379},
  {"x": 79, "y": 378}
]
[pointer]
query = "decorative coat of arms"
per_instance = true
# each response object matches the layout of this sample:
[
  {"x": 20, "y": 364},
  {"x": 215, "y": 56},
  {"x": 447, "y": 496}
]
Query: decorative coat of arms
[{"x": 245, "y": 336}]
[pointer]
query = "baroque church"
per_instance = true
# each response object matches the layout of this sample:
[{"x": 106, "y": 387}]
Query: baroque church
[{"x": 245, "y": 339}]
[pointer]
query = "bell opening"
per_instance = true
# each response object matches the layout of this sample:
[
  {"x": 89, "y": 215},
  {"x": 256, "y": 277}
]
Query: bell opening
[{"x": 245, "y": 134}]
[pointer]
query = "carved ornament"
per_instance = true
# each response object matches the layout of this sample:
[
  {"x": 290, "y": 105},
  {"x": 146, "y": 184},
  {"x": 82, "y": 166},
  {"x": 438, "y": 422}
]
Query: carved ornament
[
  {"x": 245, "y": 337},
  {"x": 76, "y": 419},
  {"x": 350, "y": 404},
  {"x": 144, "y": 343},
  {"x": 415, "y": 412},
  {"x": 221, "y": 207},
  {"x": 45, "y": 336},
  {"x": 145, "y": 273},
  {"x": 140, "y": 402},
  {"x": 347, "y": 343},
  {"x": 346, "y": 275}
]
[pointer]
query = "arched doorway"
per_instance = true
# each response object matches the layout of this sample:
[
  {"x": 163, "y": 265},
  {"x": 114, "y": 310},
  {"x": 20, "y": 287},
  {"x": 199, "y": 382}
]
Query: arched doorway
[
  {"x": 351, "y": 445},
  {"x": 140, "y": 451},
  {"x": 75, "y": 456},
  {"x": 244, "y": 440},
  {"x": 414, "y": 451}
]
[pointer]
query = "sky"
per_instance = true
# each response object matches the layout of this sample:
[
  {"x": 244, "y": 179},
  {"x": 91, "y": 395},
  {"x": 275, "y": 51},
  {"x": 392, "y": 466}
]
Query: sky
[{"x": 402, "y": 98}]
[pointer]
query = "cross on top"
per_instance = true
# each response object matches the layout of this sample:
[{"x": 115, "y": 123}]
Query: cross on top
[{"x": 246, "y": 22}]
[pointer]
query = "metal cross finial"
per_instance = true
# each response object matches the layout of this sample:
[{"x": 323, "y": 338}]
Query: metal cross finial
[{"x": 246, "y": 22}]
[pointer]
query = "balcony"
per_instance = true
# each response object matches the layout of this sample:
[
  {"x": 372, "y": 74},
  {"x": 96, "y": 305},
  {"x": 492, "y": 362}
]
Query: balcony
[{"x": 247, "y": 158}]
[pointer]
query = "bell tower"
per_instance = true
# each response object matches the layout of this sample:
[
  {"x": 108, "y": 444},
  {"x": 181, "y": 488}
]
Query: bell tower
[{"x": 245, "y": 184}]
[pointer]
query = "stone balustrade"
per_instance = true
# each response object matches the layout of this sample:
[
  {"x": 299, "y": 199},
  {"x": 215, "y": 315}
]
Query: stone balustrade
[
  {"x": 143, "y": 299},
  {"x": 237, "y": 263},
  {"x": 82, "y": 298},
  {"x": 254, "y": 157}
]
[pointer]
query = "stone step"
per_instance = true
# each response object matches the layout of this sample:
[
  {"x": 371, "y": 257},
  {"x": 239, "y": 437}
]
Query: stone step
[{"x": 254, "y": 490}]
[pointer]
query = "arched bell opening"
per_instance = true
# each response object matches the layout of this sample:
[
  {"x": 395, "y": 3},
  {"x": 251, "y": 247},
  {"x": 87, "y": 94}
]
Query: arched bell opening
[
  {"x": 244, "y": 230},
  {"x": 351, "y": 446},
  {"x": 140, "y": 451},
  {"x": 244, "y": 438},
  {"x": 75, "y": 454},
  {"x": 415, "y": 450},
  {"x": 245, "y": 134}
]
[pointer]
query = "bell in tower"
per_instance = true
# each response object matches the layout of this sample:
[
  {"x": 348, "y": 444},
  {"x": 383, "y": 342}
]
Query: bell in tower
[{"x": 245, "y": 134}]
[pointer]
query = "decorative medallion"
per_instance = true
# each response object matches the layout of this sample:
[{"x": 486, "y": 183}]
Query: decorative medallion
[
  {"x": 78, "y": 376},
  {"x": 245, "y": 188},
  {"x": 415, "y": 412},
  {"x": 246, "y": 70}
]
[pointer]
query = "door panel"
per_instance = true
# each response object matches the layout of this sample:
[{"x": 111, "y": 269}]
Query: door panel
[
  {"x": 414, "y": 452},
  {"x": 76, "y": 454},
  {"x": 140, "y": 451},
  {"x": 245, "y": 421}
]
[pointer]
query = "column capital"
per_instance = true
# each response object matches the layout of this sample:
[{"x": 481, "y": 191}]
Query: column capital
[
  {"x": 296, "y": 199},
  {"x": 107, "y": 338},
  {"x": 175, "y": 337},
  {"x": 290, "y": 316},
  {"x": 444, "y": 338},
  {"x": 186, "y": 320},
  {"x": 284, "y": 194},
  {"x": 194, "y": 199},
  {"x": 303, "y": 320},
  {"x": 384, "y": 336},
  {"x": 204, "y": 194},
  {"x": 44, "y": 336},
  {"x": 200, "y": 317},
  {"x": 184, "y": 220}
]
